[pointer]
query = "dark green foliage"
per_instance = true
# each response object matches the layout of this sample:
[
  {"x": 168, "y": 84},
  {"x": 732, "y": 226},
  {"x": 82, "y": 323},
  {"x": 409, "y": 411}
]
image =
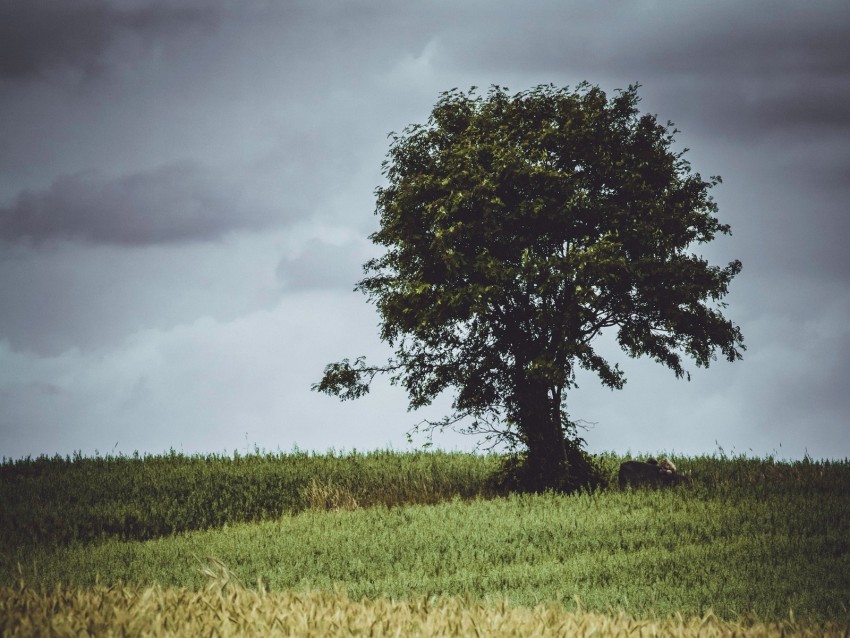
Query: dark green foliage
[
  {"x": 516, "y": 229},
  {"x": 63, "y": 500}
]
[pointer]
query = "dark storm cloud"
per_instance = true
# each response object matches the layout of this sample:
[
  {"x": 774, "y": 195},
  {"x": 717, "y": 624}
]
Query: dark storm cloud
[
  {"x": 173, "y": 203},
  {"x": 760, "y": 39},
  {"x": 787, "y": 74},
  {"x": 742, "y": 68},
  {"x": 38, "y": 36}
]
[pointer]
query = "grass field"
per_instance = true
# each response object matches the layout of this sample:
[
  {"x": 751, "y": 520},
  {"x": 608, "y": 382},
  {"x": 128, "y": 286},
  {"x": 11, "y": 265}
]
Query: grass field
[
  {"x": 64, "y": 500},
  {"x": 378, "y": 539}
]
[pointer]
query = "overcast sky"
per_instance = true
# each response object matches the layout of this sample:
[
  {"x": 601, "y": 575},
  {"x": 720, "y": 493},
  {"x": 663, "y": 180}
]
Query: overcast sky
[{"x": 186, "y": 191}]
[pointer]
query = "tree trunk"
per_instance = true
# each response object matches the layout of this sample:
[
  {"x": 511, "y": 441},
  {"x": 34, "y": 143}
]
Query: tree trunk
[{"x": 540, "y": 423}]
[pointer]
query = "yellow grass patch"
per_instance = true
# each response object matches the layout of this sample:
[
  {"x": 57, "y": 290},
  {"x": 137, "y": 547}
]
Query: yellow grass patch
[{"x": 226, "y": 609}]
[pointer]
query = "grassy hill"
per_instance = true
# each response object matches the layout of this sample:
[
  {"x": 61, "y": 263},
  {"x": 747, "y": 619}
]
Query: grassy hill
[{"x": 751, "y": 540}]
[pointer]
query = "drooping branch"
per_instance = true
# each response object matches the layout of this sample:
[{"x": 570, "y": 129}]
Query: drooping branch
[{"x": 347, "y": 381}]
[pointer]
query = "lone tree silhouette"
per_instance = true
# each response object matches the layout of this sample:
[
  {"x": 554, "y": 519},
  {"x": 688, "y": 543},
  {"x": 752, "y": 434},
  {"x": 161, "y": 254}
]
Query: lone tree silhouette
[{"x": 519, "y": 227}]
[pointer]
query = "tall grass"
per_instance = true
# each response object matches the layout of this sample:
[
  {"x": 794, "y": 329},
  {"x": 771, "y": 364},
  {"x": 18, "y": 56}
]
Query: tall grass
[
  {"x": 65, "y": 500},
  {"x": 76, "y": 499}
]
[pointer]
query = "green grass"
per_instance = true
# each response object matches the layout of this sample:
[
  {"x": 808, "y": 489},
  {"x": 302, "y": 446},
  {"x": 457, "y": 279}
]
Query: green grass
[
  {"x": 752, "y": 537},
  {"x": 65, "y": 500}
]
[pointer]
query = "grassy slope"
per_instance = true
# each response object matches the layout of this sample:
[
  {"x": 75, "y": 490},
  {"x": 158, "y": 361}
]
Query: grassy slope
[
  {"x": 63, "y": 500},
  {"x": 752, "y": 537}
]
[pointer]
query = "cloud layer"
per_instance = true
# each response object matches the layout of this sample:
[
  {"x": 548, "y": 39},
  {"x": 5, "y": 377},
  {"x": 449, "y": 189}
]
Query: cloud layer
[
  {"x": 40, "y": 37},
  {"x": 186, "y": 192},
  {"x": 173, "y": 203}
]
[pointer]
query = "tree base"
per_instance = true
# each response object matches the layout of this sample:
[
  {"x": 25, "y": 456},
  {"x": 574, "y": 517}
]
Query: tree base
[{"x": 582, "y": 473}]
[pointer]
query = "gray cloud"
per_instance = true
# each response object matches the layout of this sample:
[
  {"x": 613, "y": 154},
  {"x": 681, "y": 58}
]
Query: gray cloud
[
  {"x": 40, "y": 36},
  {"x": 785, "y": 79},
  {"x": 173, "y": 203},
  {"x": 76, "y": 296},
  {"x": 319, "y": 265},
  {"x": 759, "y": 39},
  {"x": 113, "y": 247},
  {"x": 744, "y": 68}
]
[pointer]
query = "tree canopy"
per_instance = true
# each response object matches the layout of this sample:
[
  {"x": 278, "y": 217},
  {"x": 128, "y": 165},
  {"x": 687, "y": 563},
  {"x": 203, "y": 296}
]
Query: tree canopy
[{"x": 517, "y": 228}]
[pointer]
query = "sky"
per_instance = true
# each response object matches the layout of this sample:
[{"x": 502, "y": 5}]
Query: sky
[{"x": 187, "y": 191}]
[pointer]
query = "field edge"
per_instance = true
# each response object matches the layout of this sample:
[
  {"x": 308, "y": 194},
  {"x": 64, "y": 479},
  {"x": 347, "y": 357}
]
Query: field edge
[{"x": 226, "y": 608}]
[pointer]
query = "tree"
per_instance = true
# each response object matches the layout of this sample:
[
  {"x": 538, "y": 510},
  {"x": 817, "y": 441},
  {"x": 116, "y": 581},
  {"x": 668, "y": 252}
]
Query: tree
[{"x": 519, "y": 227}]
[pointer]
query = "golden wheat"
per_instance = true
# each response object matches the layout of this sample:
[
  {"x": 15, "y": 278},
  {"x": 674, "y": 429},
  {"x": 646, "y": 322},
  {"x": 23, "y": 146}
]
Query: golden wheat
[{"x": 226, "y": 608}]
